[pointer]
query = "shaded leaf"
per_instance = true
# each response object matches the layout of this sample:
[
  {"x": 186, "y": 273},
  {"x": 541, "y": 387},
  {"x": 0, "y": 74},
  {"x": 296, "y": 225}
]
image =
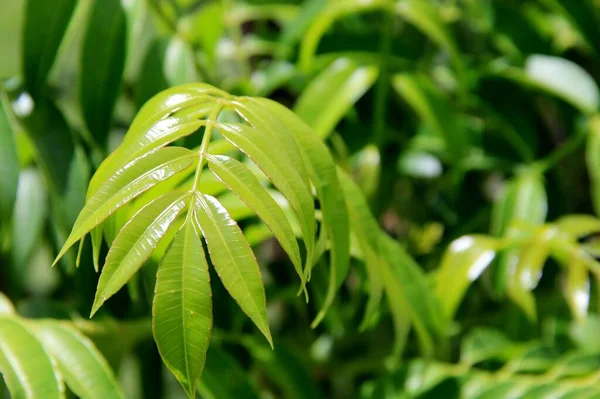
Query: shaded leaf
[
  {"x": 45, "y": 26},
  {"x": 102, "y": 65},
  {"x": 9, "y": 162}
]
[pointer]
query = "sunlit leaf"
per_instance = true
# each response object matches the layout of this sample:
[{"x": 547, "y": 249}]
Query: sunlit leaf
[
  {"x": 135, "y": 243},
  {"x": 182, "y": 307},
  {"x": 463, "y": 262},
  {"x": 233, "y": 259},
  {"x": 80, "y": 364},
  {"x": 25, "y": 365}
]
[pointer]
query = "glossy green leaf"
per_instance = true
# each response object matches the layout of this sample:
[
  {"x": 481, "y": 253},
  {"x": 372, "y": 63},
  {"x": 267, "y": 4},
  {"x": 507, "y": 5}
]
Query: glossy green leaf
[
  {"x": 182, "y": 309},
  {"x": 338, "y": 88},
  {"x": 135, "y": 243},
  {"x": 234, "y": 260},
  {"x": 80, "y": 364},
  {"x": 242, "y": 182},
  {"x": 321, "y": 169},
  {"x": 463, "y": 262},
  {"x": 102, "y": 66},
  {"x": 45, "y": 25},
  {"x": 25, "y": 365},
  {"x": 147, "y": 138},
  {"x": 129, "y": 182},
  {"x": 282, "y": 175},
  {"x": 434, "y": 110},
  {"x": 9, "y": 162}
]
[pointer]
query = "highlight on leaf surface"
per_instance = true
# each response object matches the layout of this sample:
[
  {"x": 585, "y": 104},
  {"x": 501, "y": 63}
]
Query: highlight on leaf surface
[{"x": 150, "y": 199}]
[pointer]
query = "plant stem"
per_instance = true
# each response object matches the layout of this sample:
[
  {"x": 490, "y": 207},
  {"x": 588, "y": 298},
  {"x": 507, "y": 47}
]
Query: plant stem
[
  {"x": 560, "y": 153},
  {"x": 382, "y": 89},
  {"x": 205, "y": 141}
]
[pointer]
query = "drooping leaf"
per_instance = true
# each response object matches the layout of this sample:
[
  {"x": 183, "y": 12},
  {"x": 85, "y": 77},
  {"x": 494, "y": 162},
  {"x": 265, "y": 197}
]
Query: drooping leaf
[
  {"x": 338, "y": 88},
  {"x": 182, "y": 307},
  {"x": 241, "y": 181},
  {"x": 25, "y": 365},
  {"x": 102, "y": 65},
  {"x": 234, "y": 260},
  {"x": 127, "y": 183},
  {"x": 45, "y": 25},
  {"x": 135, "y": 243},
  {"x": 81, "y": 365},
  {"x": 463, "y": 262},
  {"x": 321, "y": 169},
  {"x": 9, "y": 162}
]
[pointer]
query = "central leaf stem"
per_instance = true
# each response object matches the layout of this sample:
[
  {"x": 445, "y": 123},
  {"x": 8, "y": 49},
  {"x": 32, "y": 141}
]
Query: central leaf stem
[{"x": 205, "y": 141}]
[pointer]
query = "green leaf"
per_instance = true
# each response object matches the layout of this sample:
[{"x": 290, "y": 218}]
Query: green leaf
[
  {"x": 592, "y": 159},
  {"x": 81, "y": 365},
  {"x": 234, "y": 260},
  {"x": 462, "y": 263},
  {"x": 182, "y": 309},
  {"x": 433, "y": 109},
  {"x": 365, "y": 228},
  {"x": 577, "y": 289},
  {"x": 145, "y": 139},
  {"x": 26, "y": 367},
  {"x": 224, "y": 378},
  {"x": 277, "y": 167},
  {"x": 425, "y": 16},
  {"x": 29, "y": 217},
  {"x": 409, "y": 295},
  {"x": 484, "y": 344},
  {"x": 126, "y": 184},
  {"x": 135, "y": 243},
  {"x": 243, "y": 183},
  {"x": 205, "y": 28},
  {"x": 9, "y": 162},
  {"x": 102, "y": 65},
  {"x": 578, "y": 226},
  {"x": 564, "y": 79},
  {"x": 337, "y": 89},
  {"x": 45, "y": 25},
  {"x": 581, "y": 16},
  {"x": 6, "y": 306},
  {"x": 321, "y": 169}
]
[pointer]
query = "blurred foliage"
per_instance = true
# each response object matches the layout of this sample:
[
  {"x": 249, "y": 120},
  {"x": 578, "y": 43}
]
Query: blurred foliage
[{"x": 466, "y": 135}]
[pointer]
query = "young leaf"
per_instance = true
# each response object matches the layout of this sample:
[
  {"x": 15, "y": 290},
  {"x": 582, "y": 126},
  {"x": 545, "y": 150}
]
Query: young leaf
[
  {"x": 321, "y": 169},
  {"x": 126, "y": 184},
  {"x": 26, "y": 367},
  {"x": 45, "y": 25},
  {"x": 102, "y": 65},
  {"x": 338, "y": 88},
  {"x": 81, "y": 365},
  {"x": 463, "y": 262},
  {"x": 182, "y": 308},
  {"x": 233, "y": 259},
  {"x": 135, "y": 243},
  {"x": 243, "y": 183}
]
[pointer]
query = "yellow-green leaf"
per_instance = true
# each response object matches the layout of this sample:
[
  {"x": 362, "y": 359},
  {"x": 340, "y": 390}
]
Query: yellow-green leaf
[
  {"x": 26, "y": 367},
  {"x": 80, "y": 364},
  {"x": 135, "y": 243},
  {"x": 243, "y": 183},
  {"x": 234, "y": 260},
  {"x": 182, "y": 307}
]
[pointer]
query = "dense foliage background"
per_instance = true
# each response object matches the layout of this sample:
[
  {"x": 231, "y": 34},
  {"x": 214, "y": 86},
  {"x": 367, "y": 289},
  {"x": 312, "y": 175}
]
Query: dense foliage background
[{"x": 470, "y": 126}]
